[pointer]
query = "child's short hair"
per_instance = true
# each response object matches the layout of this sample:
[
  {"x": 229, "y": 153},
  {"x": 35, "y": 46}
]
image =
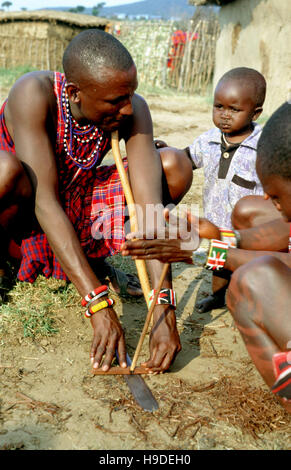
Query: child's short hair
[
  {"x": 252, "y": 77},
  {"x": 274, "y": 146}
]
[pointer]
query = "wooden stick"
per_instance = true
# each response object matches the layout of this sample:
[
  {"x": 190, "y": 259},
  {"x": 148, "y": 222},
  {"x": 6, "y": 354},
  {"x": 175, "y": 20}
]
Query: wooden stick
[
  {"x": 149, "y": 316},
  {"x": 121, "y": 371},
  {"x": 140, "y": 264}
]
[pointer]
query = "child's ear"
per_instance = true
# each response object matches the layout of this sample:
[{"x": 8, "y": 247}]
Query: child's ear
[{"x": 257, "y": 112}]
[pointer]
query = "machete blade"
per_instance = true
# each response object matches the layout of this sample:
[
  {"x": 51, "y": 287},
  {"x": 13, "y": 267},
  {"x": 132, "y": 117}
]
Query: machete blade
[{"x": 140, "y": 390}]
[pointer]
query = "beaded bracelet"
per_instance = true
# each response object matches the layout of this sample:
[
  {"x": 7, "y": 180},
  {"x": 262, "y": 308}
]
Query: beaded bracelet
[
  {"x": 217, "y": 255},
  {"x": 95, "y": 308},
  {"x": 229, "y": 236},
  {"x": 93, "y": 294},
  {"x": 96, "y": 298},
  {"x": 166, "y": 296}
]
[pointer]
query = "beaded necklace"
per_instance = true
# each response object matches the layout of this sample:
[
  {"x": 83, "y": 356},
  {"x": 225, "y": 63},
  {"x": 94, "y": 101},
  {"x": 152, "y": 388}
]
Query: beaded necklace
[{"x": 79, "y": 134}]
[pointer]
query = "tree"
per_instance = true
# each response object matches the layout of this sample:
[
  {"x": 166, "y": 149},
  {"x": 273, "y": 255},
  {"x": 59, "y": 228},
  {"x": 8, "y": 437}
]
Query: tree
[
  {"x": 97, "y": 8},
  {"x": 78, "y": 9},
  {"x": 6, "y": 5}
]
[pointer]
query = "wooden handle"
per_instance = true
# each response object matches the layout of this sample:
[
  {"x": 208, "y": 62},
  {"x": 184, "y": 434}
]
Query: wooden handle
[
  {"x": 148, "y": 318},
  {"x": 140, "y": 264}
]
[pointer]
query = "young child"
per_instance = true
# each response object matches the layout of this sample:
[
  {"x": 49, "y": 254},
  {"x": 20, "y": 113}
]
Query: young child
[{"x": 227, "y": 153}]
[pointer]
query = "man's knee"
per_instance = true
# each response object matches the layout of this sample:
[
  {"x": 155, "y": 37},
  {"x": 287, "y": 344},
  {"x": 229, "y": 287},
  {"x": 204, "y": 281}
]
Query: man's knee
[
  {"x": 13, "y": 178},
  {"x": 242, "y": 213},
  {"x": 251, "y": 211},
  {"x": 252, "y": 280},
  {"x": 10, "y": 172}
]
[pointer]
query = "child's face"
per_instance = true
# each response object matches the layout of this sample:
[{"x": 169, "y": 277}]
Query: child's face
[
  {"x": 277, "y": 189},
  {"x": 234, "y": 108}
]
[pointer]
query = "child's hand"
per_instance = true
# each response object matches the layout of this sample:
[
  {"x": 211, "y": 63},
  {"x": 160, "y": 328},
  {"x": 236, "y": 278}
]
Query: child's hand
[{"x": 160, "y": 144}]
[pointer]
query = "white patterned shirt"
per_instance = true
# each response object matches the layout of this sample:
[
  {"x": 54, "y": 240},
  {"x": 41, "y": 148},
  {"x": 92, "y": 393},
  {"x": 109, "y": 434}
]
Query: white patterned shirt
[{"x": 221, "y": 194}]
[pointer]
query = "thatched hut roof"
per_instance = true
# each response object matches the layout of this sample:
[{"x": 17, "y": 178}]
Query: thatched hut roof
[
  {"x": 55, "y": 17},
  {"x": 210, "y": 2}
]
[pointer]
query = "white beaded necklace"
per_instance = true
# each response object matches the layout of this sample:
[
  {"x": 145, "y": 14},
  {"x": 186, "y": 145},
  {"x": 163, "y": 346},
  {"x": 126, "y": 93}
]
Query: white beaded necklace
[{"x": 70, "y": 133}]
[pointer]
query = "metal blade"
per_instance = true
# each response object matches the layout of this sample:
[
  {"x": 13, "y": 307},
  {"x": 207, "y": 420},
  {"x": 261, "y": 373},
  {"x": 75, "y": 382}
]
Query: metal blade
[{"x": 140, "y": 390}]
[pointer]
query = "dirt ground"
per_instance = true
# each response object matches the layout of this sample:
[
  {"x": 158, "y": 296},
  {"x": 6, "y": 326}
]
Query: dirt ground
[{"x": 212, "y": 397}]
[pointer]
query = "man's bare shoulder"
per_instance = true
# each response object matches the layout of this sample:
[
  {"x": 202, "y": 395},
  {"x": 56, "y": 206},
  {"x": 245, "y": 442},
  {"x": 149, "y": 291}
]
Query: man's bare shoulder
[
  {"x": 138, "y": 100},
  {"x": 33, "y": 93},
  {"x": 33, "y": 81}
]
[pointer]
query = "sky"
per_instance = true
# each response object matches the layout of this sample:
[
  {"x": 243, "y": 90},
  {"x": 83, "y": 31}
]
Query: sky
[{"x": 38, "y": 4}]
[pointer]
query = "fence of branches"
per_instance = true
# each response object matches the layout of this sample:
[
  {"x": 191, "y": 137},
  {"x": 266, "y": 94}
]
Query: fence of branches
[{"x": 168, "y": 57}]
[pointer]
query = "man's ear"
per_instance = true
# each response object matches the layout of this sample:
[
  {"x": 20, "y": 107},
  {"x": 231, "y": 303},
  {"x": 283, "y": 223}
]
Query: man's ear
[
  {"x": 73, "y": 92},
  {"x": 257, "y": 112}
]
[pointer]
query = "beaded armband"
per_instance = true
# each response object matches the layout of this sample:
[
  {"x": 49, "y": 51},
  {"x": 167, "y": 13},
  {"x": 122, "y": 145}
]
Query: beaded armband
[
  {"x": 166, "y": 296},
  {"x": 217, "y": 255},
  {"x": 229, "y": 237},
  {"x": 95, "y": 308}
]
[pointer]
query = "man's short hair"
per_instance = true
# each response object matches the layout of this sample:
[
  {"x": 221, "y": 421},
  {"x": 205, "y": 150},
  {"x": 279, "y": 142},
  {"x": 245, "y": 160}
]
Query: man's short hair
[
  {"x": 93, "y": 49},
  {"x": 274, "y": 146},
  {"x": 251, "y": 77}
]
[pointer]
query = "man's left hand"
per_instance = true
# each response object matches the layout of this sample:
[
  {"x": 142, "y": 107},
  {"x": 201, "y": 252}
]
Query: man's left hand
[{"x": 164, "y": 339}]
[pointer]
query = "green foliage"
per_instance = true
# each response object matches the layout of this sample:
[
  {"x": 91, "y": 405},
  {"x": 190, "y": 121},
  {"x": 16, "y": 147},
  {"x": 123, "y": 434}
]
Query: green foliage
[
  {"x": 77, "y": 9},
  {"x": 9, "y": 76},
  {"x": 96, "y": 9},
  {"x": 6, "y": 5}
]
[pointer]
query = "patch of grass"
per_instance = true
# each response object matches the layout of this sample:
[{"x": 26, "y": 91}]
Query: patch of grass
[
  {"x": 35, "y": 308},
  {"x": 34, "y": 320},
  {"x": 9, "y": 76},
  {"x": 145, "y": 89}
]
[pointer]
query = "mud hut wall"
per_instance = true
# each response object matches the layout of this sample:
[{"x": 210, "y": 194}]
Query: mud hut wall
[
  {"x": 36, "y": 44},
  {"x": 257, "y": 33}
]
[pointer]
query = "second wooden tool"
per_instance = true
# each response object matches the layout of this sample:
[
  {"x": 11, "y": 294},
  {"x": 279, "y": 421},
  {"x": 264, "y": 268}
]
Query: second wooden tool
[{"x": 140, "y": 264}]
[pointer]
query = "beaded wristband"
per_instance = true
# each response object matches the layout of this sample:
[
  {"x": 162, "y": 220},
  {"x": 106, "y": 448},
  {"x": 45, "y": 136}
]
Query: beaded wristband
[
  {"x": 95, "y": 308},
  {"x": 93, "y": 294},
  {"x": 166, "y": 296},
  {"x": 96, "y": 298},
  {"x": 217, "y": 255},
  {"x": 229, "y": 237}
]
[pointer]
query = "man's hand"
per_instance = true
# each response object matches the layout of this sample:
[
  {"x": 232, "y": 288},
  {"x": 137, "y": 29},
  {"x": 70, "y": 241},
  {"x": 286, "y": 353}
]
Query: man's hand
[
  {"x": 108, "y": 337},
  {"x": 164, "y": 339},
  {"x": 176, "y": 242},
  {"x": 166, "y": 251}
]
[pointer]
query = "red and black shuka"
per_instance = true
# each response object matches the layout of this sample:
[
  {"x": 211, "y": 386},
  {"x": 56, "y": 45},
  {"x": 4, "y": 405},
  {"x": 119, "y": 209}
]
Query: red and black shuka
[{"x": 91, "y": 195}]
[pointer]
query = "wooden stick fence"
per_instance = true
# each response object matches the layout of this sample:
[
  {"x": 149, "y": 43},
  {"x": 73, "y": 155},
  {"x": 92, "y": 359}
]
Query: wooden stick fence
[{"x": 186, "y": 65}]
